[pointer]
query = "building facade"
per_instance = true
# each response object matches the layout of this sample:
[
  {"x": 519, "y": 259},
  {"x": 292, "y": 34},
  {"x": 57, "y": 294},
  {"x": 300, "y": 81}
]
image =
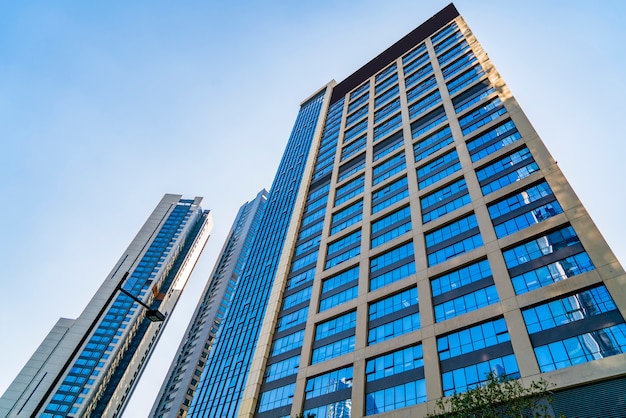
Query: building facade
[
  {"x": 433, "y": 240},
  {"x": 89, "y": 366},
  {"x": 181, "y": 382}
]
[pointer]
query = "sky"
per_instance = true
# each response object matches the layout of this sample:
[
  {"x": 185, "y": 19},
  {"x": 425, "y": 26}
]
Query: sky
[{"x": 106, "y": 106}]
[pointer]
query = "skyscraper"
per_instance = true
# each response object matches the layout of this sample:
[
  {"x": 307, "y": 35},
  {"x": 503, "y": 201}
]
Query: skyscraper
[
  {"x": 429, "y": 238},
  {"x": 182, "y": 379},
  {"x": 88, "y": 366}
]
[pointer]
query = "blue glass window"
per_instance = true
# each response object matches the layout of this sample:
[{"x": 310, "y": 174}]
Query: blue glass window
[
  {"x": 387, "y": 169},
  {"x": 392, "y": 266},
  {"x": 358, "y": 114},
  {"x": 336, "y": 325},
  {"x": 384, "y": 73},
  {"x": 465, "y": 79},
  {"x": 282, "y": 369},
  {"x": 311, "y": 230},
  {"x": 444, "y": 33},
  {"x": 386, "y": 127},
  {"x": 539, "y": 247},
  {"x": 458, "y": 65},
  {"x": 360, "y": 90},
  {"x": 386, "y": 96},
  {"x": 349, "y": 190},
  {"x": 506, "y": 170},
  {"x": 391, "y": 226},
  {"x": 355, "y": 147},
  {"x": 472, "y": 95},
  {"x": 288, "y": 343},
  {"x": 453, "y": 53},
  {"x": 390, "y": 194},
  {"x": 472, "y": 339},
  {"x": 389, "y": 81},
  {"x": 450, "y": 40},
  {"x": 301, "y": 278},
  {"x": 452, "y": 240},
  {"x": 552, "y": 273},
  {"x": 466, "y": 303},
  {"x": 432, "y": 143},
  {"x": 383, "y": 325},
  {"x": 418, "y": 75},
  {"x": 332, "y": 350},
  {"x": 582, "y": 348},
  {"x": 482, "y": 115},
  {"x": 275, "y": 398},
  {"x": 388, "y": 145},
  {"x": 340, "y": 279},
  {"x": 576, "y": 307},
  {"x": 346, "y": 217},
  {"x": 396, "y": 362},
  {"x": 343, "y": 249},
  {"x": 528, "y": 207},
  {"x": 438, "y": 169},
  {"x": 428, "y": 122},
  {"x": 328, "y": 383},
  {"x": 424, "y": 104},
  {"x": 339, "y": 298},
  {"x": 297, "y": 298},
  {"x": 340, "y": 408},
  {"x": 358, "y": 102},
  {"x": 387, "y": 110},
  {"x": 355, "y": 131},
  {"x": 421, "y": 49},
  {"x": 445, "y": 200},
  {"x": 417, "y": 91},
  {"x": 464, "y": 378},
  {"x": 493, "y": 140},
  {"x": 351, "y": 167},
  {"x": 400, "y": 396}
]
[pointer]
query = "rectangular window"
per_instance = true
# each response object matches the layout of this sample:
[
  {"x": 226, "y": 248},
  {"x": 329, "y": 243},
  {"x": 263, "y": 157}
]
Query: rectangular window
[
  {"x": 453, "y": 53},
  {"x": 459, "y": 65},
  {"x": 445, "y": 200},
  {"x": 507, "y": 170},
  {"x": 482, "y": 116},
  {"x": 329, "y": 383},
  {"x": 332, "y": 350},
  {"x": 527, "y": 207},
  {"x": 297, "y": 298},
  {"x": 465, "y": 79},
  {"x": 350, "y": 168},
  {"x": 353, "y": 132},
  {"x": 275, "y": 398},
  {"x": 282, "y": 369},
  {"x": 428, "y": 122},
  {"x": 450, "y": 40},
  {"x": 358, "y": 102},
  {"x": 464, "y": 378},
  {"x": 424, "y": 104},
  {"x": 388, "y": 145},
  {"x": 452, "y": 240},
  {"x": 392, "y": 266},
  {"x": 472, "y": 339},
  {"x": 432, "y": 143},
  {"x": 394, "y": 363},
  {"x": 438, "y": 169},
  {"x": 552, "y": 273},
  {"x": 287, "y": 343},
  {"x": 393, "y": 316},
  {"x": 384, "y": 73},
  {"x": 414, "y": 65},
  {"x": 354, "y": 147},
  {"x": 390, "y": 194},
  {"x": 417, "y": 76},
  {"x": 387, "y": 110},
  {"x": 387, "y": 169},
  {"x": 386, "y": 96},
  {"x": 417, "y": 91},
  {"x": 360, "y": 90},
  {"x": 386, "y": 127},
  {"x": 349, "y": 190},
  {"x": 337, "y": 299},
  {"x": 335, "y": 326},
  {"x": 389, "y": 81},
  {"x": 391, "y": 226},
  {"x": 357, "y": 115},
  {"x": 421, "y": 49},
  {"x": 346, "y": 217},
  {"x": 395, "y": 397},
  {"x": 493, "y": 140},
  {"x": 472, "y": 96},
  {"x": 343, "y": 249}
]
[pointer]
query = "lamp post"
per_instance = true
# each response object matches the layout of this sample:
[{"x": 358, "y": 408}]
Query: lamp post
[{"x": 153, "y": 315}]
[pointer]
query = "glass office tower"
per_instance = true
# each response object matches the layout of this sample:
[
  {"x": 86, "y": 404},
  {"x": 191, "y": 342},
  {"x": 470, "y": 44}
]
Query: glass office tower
[
  {"x": 182, "y": 379},
  {"x": 433, "y": 240},
  {"x": 89, "y": 366}
]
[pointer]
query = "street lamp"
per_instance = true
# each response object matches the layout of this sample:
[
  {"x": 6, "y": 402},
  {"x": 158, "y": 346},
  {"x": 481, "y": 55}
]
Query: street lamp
[{"x": 153, "y": 315}]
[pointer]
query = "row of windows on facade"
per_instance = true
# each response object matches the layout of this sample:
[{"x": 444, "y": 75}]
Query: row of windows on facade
[{"x": 391, "y": 372}]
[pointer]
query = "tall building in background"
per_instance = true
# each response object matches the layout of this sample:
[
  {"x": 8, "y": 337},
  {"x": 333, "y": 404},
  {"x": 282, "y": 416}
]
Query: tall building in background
[
  {"x": 89, "y": 366},
  {"x": 417, "y": 215},
  {"x": 182, "y": 379}
]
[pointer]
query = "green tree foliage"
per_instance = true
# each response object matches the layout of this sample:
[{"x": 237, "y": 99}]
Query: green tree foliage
[{"x": 497, "y": 398}]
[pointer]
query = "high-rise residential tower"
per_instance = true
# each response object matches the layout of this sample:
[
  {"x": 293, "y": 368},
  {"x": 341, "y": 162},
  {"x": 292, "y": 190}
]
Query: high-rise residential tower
[
  {"x": 182, "y": 379},
  {"x": 430, "y": 239},
  {"x": 89, "y": 366}
]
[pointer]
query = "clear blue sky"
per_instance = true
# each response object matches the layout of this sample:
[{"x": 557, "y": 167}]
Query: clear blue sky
[{"x": 104, "y": 107}]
